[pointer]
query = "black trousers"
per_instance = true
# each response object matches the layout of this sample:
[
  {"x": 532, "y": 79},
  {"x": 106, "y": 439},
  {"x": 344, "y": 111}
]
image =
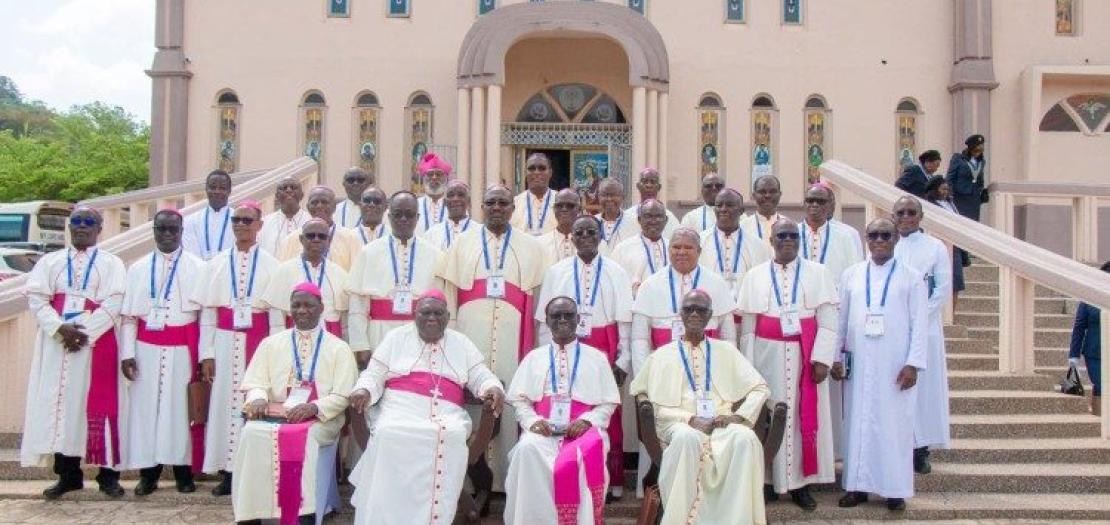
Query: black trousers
[{"x": 68, "y": 469}]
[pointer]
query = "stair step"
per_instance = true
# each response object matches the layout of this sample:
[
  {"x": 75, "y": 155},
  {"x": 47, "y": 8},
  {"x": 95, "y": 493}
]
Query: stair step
[
  {"x": 995, "y": 380},
  {"x": 1014, "y": 402},
  {"x": 955, "y": 331},
  {"x": 981, "y": 288},
  {"x": 1050, "y": 357},
  {"x": 989, "y": 304},
  {"x": 954, "y": 345},
  {"x": 1024, "y": 426},
  {"x": 981, "y": 273},
  {"x": 1016, "y": 477},
  {"x": 1042, "y": 337},
  {"x": 1060, "y": 450},
  {"x": 973, "y": 362}
]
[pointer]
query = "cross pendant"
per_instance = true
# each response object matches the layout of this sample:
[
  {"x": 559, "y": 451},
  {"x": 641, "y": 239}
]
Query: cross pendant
[{"x": 436, "y": 393}]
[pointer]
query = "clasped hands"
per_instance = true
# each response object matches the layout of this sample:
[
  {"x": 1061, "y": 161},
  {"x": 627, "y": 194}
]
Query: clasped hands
[
  {"x": 302, "y": 412},
  {"x": 574, "y": 430},
  {"x": 73, "y": 338},
  {"x": 709, "y": 425}
]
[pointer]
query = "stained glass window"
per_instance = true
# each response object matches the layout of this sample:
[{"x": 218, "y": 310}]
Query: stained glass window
[
  {"x": 817, "y": 130},
  {"x": 710, "y": 117},
  {"x": 791, "y": 11},
  {"x": 419, "y": 115},
  {"x": 637, "y": 5},
  {"x": 399, "y": 8},
  {"x": 366, "y": 116},
  {"x": 312, "y": 132},
  {"x": 227, "y": 145},
  {"x": 1065, "y": 17},
  {"x": 485, "y": 6},
  {"x": 906, "y": 116},
  {"x": 571, "y": 103},
  {"x": 734, "y": 11},
  {"x": 763, "y": 133},
  {"x": 339, "y": 8},
  {"x": 1091, "y": 108}
]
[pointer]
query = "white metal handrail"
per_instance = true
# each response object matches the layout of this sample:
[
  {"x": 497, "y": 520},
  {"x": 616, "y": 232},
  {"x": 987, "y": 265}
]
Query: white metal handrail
[{"x": 1084, "y": 200}]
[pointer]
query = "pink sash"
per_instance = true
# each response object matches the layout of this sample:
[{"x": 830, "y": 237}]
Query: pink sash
[
  {"x": 607, "y": 338},
  {"x": 567, "y": 493},
  {"x": 382, "y": 310},
  {"x": 260, "y": 327},
  {"x": 291, "y": 441},
  {"x": 333, "y": 327},
  {"x": 517, "y": 298},
  {"x": 425, "y": 384},
  {"x": 768, "y": 327},
  {"x": 102, "y": 399},
  {"x": 662, "y": 336},
  {"x": 187, "y": 335}
]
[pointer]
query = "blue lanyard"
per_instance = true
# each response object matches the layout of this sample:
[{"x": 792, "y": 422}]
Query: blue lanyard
[
  {"x": 824, "y": 245},
  {"x": 886, "y": 285},
  {"x": 297, "y": 356},
  {"x": 758, "y": 226},
  {"x": 703, "y": 215},
  {"x": 735, "y": 254},
  {"x": 447, "y": 230},
  {"x": 169, "y": 282},
  {"x": 427, "y": 215},
  {"x": 543, "y": 215},
  {"x": 223, "y": 230},
  {"x": 597, "y": 281},
  {"x": 343, "y": 215},
  {"x": 504, "y": 249},
  {"x": 647, "y": 254},
  {"x": 708, "y": 367},
  {"x": 308, "y": 275},
  {"x": 88, "y": 270},
  {"x": 250, "y": 279},
  {"x": 670, "y": 276},
  {"x": 573, "y": 372},
  {"x": 775, "y": 282},
  {"x": 393, "y": 259},
  {"x": 377, "y": 234},
  {"x": 616, "y": 227}
]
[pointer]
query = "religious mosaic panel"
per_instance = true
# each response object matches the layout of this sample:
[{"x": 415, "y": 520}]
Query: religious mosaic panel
[
  {"x": 1091, "y": 108},
  {"x": 366, "y": 143},
  {"x": 313, "y": 132},
  {"x": 398, "y": 7},
  {"x": 762, "y": 154},
  {"x": 907, "y": 140},
  {"x": 339, "y": 8},
  {"x": 791, "y": 11},
  {"x": 709, "y": 141},
  {"x": 637, "y": 5},
  {"x": 419, "y": 137},
  {"x": 604, "y": 111},
  {"x": 816, "y": 120},
  {"x": 1065, "y": 17},
  {"x": 228, "y": 156},
  {"x": 734, "y": 11},
  {"x": 485, "y": 6}
]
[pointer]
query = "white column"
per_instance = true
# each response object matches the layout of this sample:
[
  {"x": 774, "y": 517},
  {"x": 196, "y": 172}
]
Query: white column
[
  {"x": 493, "y": 134},
  {"x": 639, "y": 131},
  {"x": 477, "y": 143},
  {"x": 653, "y": 128},
  {"x": 462, "y": 137}
]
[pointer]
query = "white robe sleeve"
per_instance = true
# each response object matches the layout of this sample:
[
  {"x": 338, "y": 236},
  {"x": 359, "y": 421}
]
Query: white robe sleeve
[
  {"x": 358, "y": 323},
  {"x": 624, "y": 352},
  {"x": 845, "y": 314},
  {"x": 942, "y": 279},
  {"x": 372, "y": 379},
  {"x": 599, "y": 415},
  {"x": 747, "y": 337},
  {"x": 208, "y": 333},
  {"x": 344, "y": 374},
  {"x": 104, "y": 318},
  {"x": 727, "y": 327},
  {"x": 825, "y": 347},
  {"x": 640, "y": 341},
  {"x": 256, "y": 380},
  {"x": 129, "y": 334},
  {"x": 39, "y": 297},
  {"x": 919, "y": 325}
]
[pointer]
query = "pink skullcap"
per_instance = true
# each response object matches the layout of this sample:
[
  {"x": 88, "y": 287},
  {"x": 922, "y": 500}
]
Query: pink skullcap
[
  {"x": 309, "y": 288},
  {"x": 169, "y": 209},
  {"x": 250, "y": 204},
  {"x": 433, "y": 293},
  {"x": 430, "y": 162},
  {"x": 821, "y": 184}
]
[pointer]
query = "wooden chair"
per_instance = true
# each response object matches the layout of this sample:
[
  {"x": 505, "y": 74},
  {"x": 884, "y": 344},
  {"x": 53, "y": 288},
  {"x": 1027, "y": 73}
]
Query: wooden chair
[{"x": 769, "y": 427}]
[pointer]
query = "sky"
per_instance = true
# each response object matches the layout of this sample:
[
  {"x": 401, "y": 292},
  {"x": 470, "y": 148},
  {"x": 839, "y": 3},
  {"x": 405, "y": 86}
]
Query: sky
[{"x": 67, "y": 52}]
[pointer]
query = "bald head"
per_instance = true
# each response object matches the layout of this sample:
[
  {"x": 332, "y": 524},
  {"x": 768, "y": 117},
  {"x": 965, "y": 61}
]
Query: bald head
[{"x": 649, "y": 184}]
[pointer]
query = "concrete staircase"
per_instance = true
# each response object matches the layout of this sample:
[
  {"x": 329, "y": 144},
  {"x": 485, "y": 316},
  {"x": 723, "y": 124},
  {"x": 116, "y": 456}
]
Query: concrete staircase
[{"x": 1019, "y": 450}]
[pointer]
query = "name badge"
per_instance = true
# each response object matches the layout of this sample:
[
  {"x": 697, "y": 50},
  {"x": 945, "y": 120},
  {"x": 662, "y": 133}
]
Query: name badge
[
  {"x": 156, "y": 319},
  {"x": 790, "y": 322},
  {"x": 678, "y": 330},
  {"x": 242, "y": 315},
  {"x": 560, "y": 413},
  {"x": 298, "y": 395},
  {"x": 74, "y": 305},
  {"x": 585, "y": 321},
  {"x": 706, "y": 408},
  {"x": 402, "y": 300},
  {"x": 495, "y": 286},
  {"x": 874, "y": 325}
]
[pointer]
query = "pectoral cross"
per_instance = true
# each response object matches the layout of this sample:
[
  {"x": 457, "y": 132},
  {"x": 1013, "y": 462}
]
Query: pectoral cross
[{"x": 436, "y": 392}]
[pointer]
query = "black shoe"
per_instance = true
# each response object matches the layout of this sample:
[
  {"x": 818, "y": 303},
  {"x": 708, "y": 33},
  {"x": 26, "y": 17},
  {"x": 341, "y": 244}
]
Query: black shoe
[
  {"x": 896, "y": 504},
  {"x": 769, "y": 493},
  {"x": 56, "y": 490},
  {"x": 921, "y": 461},
  {"x": 186, "y": 487},
  {"x": 307, "y": 519},
  {"x": 183, "y": 476},
  {"x": 851, "y": 499},
  {"x": 803, "y": 499},
  {"x": 146, "y": 487},
  {"x": 224, "y": 488},
  {"x": 112, "y": 489}
]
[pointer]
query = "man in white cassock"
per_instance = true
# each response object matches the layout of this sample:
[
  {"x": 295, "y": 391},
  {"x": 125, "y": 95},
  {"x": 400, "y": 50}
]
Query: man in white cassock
[
  {"x": 766, "y": 192},
  {"x": 457, "y": 201},
  {"x": 789, "y": 334},
  {"x": 726, "y": 250},
  {"x": 208, "y": 232},
  {"x": 372, "y": 225},
  {"x": 643, "y": 255},
  {"x": 703, "y": 218},
  {"x": 928, "y": 256},
  {"x": 416, "y": 459},
  {"x": 347, "y": 214},
  {"x": 74, "y": 402},
  {"x": 492, "y": 275},
  {"x": 532, "y": 207},
  {"x": 712, "y": 464},
  {"x": 884, "y": 329},
  {"x": 232, "y": 324},
  {"x": 564, "y": 395},
  {"x": 434, "y": 171},
  {"x": 616, "y": 224},
  {"x": 159, "y": 349},
  {"x": 344, "y": 243},
  {"x": 602, "y": 293},
  {"x": 649, "y": 184},
  {"x": 558, "y": 244},
  {"x": 310, "y": 265},
  {"x": 296, "y": 393},
  {"x": 387, "y": 277},
  {"x": 286, "y": 219}
]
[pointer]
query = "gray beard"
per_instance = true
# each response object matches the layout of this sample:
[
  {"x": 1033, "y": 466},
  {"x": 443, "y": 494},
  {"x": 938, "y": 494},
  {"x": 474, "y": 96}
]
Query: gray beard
[{"x": 435, "y": 193}]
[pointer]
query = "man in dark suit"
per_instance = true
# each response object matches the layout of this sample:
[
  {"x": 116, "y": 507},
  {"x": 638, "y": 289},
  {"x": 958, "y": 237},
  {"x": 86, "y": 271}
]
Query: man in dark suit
[
  {"x": 915, "y": 176},
  {"x": 1086, "y": 335},
  {"x": 965, "y": 177}
]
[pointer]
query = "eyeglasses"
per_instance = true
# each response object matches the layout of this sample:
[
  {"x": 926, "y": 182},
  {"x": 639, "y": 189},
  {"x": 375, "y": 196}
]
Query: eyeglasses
[
  {"x": 247, "y": 221},
  {"x": 787, "y": 236},
  {"x": 695, "y": 309},
  {"x": 715, "y": 186},
  {"x": 403, "y": 214},
  {"x": 316, "y": 236},
  {"x": 566, "y": 316},
  {"x": 83, "y": 221},
  {"x": 373, "y": 201},
  {"x": 565, "y": 205},
  {"x": 167, "y": 229},
  {"x": 816, "y": 200},
  {"x": 879, "y": 236},
  {"x": 907, "y": 212},
  {"x": 588, "y": 232},
  {"x": 354, "y": 180}
]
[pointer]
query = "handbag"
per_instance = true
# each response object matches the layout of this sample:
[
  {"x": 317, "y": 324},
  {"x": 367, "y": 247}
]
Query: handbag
[
  {"x": 199, "y": 392},
  {"x": 984, "y": 196},
  {"x": 649, "y": 509},
  {"x": 1070, "y": 384}
]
